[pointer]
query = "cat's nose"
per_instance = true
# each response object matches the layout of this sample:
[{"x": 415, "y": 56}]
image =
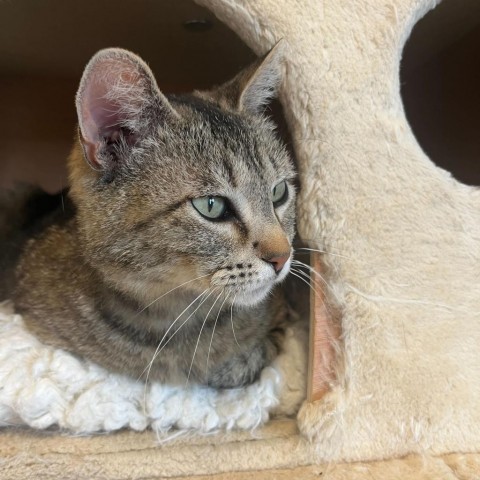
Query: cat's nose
[{"x": 277, "y": 261}]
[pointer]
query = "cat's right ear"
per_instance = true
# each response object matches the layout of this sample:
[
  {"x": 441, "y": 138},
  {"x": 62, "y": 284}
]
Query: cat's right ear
[
  {"x": 118, "y": 104},
  {"x": 254, "y": 87}
]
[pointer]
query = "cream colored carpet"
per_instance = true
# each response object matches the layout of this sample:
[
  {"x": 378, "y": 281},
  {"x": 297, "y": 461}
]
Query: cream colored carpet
[{"x": 276, "y": 449}]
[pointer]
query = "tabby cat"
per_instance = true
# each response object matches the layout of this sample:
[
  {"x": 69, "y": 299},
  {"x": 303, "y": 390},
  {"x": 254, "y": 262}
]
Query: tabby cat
[{"x": 178, "y": 224}]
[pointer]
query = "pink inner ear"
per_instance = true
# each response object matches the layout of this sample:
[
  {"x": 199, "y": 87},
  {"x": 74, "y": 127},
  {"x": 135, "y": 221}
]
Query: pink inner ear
[
  {"x": 100, "y": 115},
  {"x": 113, "y": 92}
]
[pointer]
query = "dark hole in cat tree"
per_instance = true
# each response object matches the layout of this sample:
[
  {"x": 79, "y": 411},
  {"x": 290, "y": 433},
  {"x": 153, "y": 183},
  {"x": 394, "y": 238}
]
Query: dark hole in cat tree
[
  {"x": 440, "y": 78},
  {"x": 45, "y": 46}
]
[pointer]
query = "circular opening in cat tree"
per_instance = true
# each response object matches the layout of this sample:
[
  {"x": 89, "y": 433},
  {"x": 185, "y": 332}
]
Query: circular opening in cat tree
[
  {"x": 440, "y": 78},
  {"x": 45, "y": 46}
]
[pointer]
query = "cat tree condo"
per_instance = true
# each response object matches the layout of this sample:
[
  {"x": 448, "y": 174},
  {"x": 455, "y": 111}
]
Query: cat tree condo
[{"x": 394, "y": 362}]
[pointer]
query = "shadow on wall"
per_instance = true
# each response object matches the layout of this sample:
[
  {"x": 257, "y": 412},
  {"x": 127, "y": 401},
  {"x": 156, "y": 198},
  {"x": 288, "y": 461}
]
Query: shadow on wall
[
  {"x": 45, "y": 45},
  {"x": 440, "y": 82}
]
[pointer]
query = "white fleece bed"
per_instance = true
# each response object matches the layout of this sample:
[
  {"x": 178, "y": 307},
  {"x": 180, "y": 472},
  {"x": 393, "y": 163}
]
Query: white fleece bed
[{"x": 44, "y": 387}]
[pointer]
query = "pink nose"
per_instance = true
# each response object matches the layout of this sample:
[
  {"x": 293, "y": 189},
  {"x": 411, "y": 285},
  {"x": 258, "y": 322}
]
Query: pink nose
[{"x": 278, "y": 261}]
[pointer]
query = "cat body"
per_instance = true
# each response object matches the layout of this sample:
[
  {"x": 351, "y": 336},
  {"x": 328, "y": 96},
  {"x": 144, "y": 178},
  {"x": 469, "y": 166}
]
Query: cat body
[{"x": 181, "y": 224}]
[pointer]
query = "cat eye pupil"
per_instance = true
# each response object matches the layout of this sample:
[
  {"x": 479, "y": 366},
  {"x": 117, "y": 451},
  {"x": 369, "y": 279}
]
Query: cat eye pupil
[
  {"x": 211, "y": 201},
  {"x": 279, "y": 194}
]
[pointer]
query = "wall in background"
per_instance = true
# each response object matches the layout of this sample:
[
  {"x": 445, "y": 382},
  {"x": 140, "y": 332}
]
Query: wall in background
[
  {"x": 44, "y": 46},
  {"x": 440, "y": 82}
]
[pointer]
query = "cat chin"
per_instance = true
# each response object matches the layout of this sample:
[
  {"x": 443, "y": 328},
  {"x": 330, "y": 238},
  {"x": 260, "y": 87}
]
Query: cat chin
[
  {"x": 251, "y": 298},
  {"x": 254, "y": 296}
]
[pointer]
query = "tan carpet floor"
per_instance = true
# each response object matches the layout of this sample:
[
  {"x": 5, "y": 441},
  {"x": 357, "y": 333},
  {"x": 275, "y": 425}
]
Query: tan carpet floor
[{"x": 275, "y": 451}]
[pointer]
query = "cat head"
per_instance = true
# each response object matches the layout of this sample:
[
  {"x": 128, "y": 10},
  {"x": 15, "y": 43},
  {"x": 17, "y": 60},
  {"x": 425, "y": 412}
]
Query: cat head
[{"x": 170, "y": 189}]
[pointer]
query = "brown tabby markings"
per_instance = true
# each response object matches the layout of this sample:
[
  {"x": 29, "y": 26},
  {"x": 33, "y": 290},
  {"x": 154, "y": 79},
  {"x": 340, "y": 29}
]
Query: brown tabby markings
[{"x": 105, "y": 283}]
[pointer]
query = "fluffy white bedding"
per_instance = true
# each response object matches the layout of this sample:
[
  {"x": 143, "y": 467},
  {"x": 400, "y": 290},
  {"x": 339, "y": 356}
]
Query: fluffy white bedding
[{"x": 42, "y": 387}]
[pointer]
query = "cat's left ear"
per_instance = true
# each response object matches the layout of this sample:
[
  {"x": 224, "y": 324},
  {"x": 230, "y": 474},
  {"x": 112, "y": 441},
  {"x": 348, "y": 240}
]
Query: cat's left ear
[
  {"x": 118, "y": 104},
  {"x": 254, "y": 87}
]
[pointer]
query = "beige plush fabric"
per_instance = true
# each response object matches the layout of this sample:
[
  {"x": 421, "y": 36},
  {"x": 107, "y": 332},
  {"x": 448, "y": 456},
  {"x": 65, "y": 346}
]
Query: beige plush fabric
[
  {"x": 405, "y": 236},
  {"x": 274, "y": 452}
]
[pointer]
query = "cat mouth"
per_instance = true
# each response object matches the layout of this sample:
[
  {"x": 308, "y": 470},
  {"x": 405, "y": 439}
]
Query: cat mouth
[
  {"x": 253, "y": 293},
  {"x": 248, "y": 288}
]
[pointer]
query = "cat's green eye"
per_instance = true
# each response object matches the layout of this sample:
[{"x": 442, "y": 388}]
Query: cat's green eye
[
  {"x": 279, "y": 193},
  {"x": 212, "y": 208}
]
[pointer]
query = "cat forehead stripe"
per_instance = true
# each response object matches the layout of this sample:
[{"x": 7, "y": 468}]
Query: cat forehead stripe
[{"x": 231, "y": 130}]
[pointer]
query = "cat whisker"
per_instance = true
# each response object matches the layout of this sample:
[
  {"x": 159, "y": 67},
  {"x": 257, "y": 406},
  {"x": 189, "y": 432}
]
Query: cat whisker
[
  {"x": 213, "y": 333},
  {"x": 305, "y": 278},
  {"x": 185, "y": 321},
  {"x": 300, "y": 264},
  {"x": 231, "y": 320},
  {"x": 312, "y": 243},
  {"x": 170, "y": 291},
  {"x": 292, "y": 271},
  {"x": 300, "y": 275},
  {"x": 200, "y": 334},
  {"x": 160, "y": 346},
  {"x": 309, "y": 278},
  {"x": 159, "y": 350},
  {"x": 323, "y": 252}
]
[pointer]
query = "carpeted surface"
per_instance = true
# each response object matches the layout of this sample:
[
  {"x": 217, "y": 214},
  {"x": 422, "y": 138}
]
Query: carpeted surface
[{"x": 274, "y": 452}]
